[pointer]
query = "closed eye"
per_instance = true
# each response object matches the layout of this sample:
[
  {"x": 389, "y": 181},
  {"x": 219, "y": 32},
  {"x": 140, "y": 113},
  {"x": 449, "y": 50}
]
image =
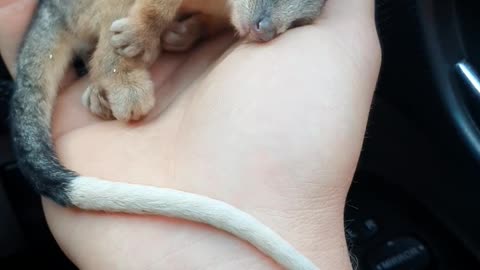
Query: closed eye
[{"x": 300, "y": 22}]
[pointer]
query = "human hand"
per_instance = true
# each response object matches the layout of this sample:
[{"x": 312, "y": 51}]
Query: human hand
[{"x": 277, "y": 135}]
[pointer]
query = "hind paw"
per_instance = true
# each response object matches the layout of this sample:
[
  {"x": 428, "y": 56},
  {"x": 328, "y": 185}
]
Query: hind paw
[{"x": 182, "y": 35}]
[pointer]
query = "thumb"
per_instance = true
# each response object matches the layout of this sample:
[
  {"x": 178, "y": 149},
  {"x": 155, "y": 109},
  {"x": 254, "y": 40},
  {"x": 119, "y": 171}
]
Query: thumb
[{"x": 15, "y": 16}]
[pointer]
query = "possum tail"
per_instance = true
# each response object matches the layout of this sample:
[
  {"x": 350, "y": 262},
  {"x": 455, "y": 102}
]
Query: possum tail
[
  {"x": 102, "y": 195},
  {"x": 42, "y": 62}
]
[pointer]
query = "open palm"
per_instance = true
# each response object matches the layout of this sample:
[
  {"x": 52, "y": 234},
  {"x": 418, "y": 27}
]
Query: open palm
[{"x": 274, "y": 129}]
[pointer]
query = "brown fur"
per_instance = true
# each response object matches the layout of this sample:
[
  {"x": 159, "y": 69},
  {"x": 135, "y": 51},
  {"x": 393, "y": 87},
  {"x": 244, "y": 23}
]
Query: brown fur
[{"x": 122, "y": 88}]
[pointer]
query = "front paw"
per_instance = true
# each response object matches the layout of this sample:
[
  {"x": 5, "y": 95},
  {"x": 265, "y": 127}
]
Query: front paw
[
  {"x": 131, "y": 39},
  {"x": 128, "y": 99},
  {"x": 95, "y": 100},
  {"x": 132, "y": 101}
]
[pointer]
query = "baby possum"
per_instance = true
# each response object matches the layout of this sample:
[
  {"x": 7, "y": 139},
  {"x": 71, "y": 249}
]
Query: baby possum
[
  {"x": 123, "y": 38},
  {"x": 133, "y": 37}
]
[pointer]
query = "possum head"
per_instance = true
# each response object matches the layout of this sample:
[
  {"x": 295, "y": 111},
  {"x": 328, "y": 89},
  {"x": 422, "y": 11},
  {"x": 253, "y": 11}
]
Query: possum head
[{"x": 263, "y": 20}]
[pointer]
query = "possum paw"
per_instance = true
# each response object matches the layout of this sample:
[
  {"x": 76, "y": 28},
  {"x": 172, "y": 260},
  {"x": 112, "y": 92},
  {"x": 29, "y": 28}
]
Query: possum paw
[
  {"x": 126, "y": 100},
  {"x": 95, "y": 99},
  {"x": 182, "y": 35},
  {"x": 132, "y": 102},
  {"x": 130, "y": 40}
]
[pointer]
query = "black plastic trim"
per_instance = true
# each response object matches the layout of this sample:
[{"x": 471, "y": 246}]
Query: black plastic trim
[{"x": 445, "y": 48}]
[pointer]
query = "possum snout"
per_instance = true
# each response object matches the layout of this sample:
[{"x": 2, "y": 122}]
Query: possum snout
[
  {"x": 264, "y": 20},
  {"x": 263, "y": 30}
]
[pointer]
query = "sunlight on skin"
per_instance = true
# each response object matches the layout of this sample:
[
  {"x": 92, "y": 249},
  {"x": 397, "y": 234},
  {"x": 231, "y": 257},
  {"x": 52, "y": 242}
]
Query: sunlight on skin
[{"x": 274, "y": 129}]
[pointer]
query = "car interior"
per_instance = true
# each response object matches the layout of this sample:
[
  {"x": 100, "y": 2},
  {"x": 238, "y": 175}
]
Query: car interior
[{"x": 413, "y": 200}]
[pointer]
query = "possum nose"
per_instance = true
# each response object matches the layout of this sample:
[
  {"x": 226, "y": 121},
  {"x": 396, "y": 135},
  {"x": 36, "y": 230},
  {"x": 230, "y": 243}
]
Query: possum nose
[{"x": 264, "y": 30}]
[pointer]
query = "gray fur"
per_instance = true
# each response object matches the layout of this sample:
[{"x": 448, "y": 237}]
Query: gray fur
[
  {"x": 47, "y": 49},
  {"x": 31, "y": 105},
  {"x": 285, "y": 14}
]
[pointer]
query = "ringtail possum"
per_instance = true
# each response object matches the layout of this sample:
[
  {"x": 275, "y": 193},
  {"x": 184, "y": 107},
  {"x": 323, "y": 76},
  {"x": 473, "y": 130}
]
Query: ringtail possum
[{"x": 120, "y": 39}]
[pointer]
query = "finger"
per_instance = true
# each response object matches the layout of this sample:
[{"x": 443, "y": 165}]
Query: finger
[
  {"x": 14, "y": 19},
  {"x": 120, "y": 40},
  {"x": 120, "y": 25},
  {"x": 344, "y": 25},
  {"x": 341, "y": 10},
  {"x": 347, "y": 18}
]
